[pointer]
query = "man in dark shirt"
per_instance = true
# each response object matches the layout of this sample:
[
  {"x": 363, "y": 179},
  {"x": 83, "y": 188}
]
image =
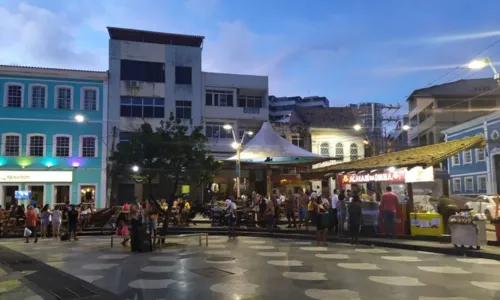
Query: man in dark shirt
[{"x": 72, "y": 222}]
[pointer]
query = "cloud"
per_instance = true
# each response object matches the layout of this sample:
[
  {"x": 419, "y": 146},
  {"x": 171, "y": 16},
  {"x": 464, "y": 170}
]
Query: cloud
[
  {"x": 32, "y": 35},
  {"x": 442, "y": 39},
  {"x": 202, "y": 7}
]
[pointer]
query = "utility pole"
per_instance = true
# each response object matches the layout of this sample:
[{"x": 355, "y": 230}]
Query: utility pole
[{"x": 110, "y": 172}]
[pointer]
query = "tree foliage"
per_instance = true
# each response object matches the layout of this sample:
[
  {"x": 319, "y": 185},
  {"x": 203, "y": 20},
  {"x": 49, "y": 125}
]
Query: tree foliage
[{"x": 172, "y": 153}]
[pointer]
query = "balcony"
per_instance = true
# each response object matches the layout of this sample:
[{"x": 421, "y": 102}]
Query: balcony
[
  {"x": 251, "y": 110},
  {"x": 218, "y": 112}
]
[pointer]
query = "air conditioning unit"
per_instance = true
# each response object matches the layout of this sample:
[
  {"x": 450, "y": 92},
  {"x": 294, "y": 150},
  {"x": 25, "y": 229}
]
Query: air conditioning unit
[{"x": 134, "y": 84}]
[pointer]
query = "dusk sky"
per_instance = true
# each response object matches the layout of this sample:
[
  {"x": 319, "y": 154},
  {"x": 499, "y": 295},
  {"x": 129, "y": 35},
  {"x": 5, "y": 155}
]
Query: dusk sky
[{"x": 349, "y": 51}]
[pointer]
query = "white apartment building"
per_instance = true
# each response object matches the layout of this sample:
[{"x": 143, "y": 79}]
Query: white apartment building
[
  {"x": 154, "y": 75},
  {"x": 238, "y": 100}
]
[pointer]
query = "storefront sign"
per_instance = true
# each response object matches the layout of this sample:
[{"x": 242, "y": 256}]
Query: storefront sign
[
  {"x": 419, "y": 174},
  {"x": 36, "y": 176},
  {"x": 397, "y": 176}
]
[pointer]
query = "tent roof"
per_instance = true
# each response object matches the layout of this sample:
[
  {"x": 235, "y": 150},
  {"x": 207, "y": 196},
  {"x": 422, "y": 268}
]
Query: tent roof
[
  {"x": 424, "y": 156},
  {"x": 267, "y": 147}
]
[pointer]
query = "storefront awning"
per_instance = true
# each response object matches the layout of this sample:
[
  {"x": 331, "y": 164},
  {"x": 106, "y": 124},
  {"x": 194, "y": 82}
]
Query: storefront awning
[{"x": 424, "y": 156}]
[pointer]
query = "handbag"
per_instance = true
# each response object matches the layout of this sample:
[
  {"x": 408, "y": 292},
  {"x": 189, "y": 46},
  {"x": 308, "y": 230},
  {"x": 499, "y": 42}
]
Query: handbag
[
  {"x": 27, "y": 232},
  {"x": 118, "y": 231}
]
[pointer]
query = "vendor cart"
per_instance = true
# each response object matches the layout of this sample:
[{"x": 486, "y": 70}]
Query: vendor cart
[{"x": 471, "y": 234}]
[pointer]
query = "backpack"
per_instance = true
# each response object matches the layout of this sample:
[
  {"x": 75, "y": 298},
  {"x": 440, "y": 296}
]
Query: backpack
[{"x": 64, "y": 236}]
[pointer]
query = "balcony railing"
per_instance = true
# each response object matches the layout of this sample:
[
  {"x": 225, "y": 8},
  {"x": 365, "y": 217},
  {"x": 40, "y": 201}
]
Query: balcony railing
[{"x": 251, "y": 110}]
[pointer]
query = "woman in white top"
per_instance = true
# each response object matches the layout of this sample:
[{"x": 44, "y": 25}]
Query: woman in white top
[{"x": 56, "y": 222}]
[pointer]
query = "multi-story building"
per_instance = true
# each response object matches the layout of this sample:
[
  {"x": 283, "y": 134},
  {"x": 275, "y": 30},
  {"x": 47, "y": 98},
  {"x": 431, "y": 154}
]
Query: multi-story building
[
  {"x": 281, "y": 108},
  {"x": 439, "y": 107},
  {"x": 397, "y": 139},
  {"x": 371, "y": 119},
  {"x": 52, "y": 125},
  {"x": 476, "y": 171},
  {"x": 156, "y": 75}
]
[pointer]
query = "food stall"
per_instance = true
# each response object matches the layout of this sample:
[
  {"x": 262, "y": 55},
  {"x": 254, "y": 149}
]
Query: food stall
[{"x": 468, "y": 229}]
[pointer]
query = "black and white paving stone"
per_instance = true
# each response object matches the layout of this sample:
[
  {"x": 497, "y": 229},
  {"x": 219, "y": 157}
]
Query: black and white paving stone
[{"x": 262, "y": 268}]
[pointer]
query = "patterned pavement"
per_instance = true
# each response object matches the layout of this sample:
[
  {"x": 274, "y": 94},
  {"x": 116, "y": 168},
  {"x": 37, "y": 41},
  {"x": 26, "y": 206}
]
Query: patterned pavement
[{"x": 261, "y": 268}]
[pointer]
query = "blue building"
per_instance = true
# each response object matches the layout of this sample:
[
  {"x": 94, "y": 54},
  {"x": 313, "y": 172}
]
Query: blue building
[
  {"x": 476, "y": 171},
  {"x": 52, "y": 124}
]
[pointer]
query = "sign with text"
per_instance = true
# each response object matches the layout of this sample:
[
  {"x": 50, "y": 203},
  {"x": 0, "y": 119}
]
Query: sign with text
[
  {"x": 396, "y": 176},
  {"x": 36, "y": 176},
  {"x": 419, "y": 174}
]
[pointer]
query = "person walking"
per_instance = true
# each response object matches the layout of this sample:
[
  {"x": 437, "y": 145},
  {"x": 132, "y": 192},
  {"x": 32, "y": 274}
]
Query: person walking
[
  {"x": 333, "y": 211},
  {"x": 320, "y": 214},
  {"x": 389, "y": 204},
  {"x": 30, "y": 222},
  {"x": 354, "y": 211}
]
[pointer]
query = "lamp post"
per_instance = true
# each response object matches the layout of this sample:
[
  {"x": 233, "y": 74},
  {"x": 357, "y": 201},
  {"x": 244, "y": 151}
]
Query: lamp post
[
  {"x": 238, "y": 146},
  {"x": 479, "y": 64}
]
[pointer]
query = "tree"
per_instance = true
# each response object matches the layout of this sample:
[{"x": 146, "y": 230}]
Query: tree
[{"x": 169, "y": 153}]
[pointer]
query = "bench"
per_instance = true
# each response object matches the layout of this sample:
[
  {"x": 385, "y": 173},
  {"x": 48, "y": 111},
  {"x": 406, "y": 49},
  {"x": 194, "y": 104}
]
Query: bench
[{"x": 158, "y": 238}]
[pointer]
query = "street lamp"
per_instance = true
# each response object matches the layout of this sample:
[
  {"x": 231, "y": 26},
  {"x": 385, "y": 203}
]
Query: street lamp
[
  {"x": 357, "y": 127},
  {"x": 79, "y": 118},
  {"x": 135, "y": 169},
  {"x": 237, "y": 145},
  {"x": 479, "y": 64},
  {"x": 406, "y": 127}
]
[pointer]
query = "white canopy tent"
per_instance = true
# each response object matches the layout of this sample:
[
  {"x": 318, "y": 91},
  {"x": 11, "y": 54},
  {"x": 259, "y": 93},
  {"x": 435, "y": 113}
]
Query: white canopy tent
[{"x": 268, "y": 148}]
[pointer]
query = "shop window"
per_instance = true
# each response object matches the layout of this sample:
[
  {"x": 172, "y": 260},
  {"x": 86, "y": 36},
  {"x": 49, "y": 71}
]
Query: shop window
[
  {"x": 37, "y": 194},
  {"x": 87, "y": 193},
  {"x": 61, "y": 194}
]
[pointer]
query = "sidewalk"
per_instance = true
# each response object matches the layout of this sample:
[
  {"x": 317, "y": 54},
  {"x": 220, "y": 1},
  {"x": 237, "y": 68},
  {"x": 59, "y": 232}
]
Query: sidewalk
[{"x": 418, "y": 243}]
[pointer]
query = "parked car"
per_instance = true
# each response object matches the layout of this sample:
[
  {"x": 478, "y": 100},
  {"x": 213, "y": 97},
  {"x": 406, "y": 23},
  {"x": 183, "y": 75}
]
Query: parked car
[{"x": 484, "y": 204}]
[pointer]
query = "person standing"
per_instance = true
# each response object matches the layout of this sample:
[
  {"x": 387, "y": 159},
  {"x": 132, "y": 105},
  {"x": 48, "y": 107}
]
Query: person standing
[
  {"x": 45, "y": 220},
  {"x": 291, "y": 205},
  {"x": 30, "y": 222},
  {"x": 56, "y": 222},
  {"x": 270, "y": 214},
  {"x": 389, "y": 204},
  {"x": 320, "y": 213},
  {"x": 231, "y": 217},
  {"x": 303, "y": 201},
  {"x": 136, "y": 217},
  {"x": 333, "y": 211},
  {"x": 355, "y": 218},
  {"x": 277, "y": 209},
  {"x": 72, "y": 222}
]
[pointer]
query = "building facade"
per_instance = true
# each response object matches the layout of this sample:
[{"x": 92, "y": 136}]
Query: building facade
[
  {"x": 46, "y": 154},
  {"x": 281, "y": 108},
  {"x": 397, "y": 139},
  {"x": 154, "y": 76},
  {"x": 437, "y": 108},
  {"x": 476, "y": 171}
]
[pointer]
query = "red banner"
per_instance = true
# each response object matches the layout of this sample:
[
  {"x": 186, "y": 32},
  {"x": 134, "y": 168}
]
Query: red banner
[{"x": 396, "y": 176}]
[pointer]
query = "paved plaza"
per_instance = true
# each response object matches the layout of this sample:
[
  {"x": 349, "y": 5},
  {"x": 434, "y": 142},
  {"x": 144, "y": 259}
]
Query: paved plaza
[{"x": 257, "y": 268}]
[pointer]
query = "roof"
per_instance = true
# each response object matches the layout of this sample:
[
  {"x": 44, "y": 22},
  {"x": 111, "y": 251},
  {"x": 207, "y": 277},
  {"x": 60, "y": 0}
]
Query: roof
[
  {"x": 326, "y": 117},
  {"x": 463, "y": 87},
  {"x": 49, "y": 69},
  {"x": 267, "y": 147},
  {"x": 471, "y": 124},
  {"x": 55, "y": 72},
  {"x": 143, "y": 36},
  {"x": 424, "y": 156}
]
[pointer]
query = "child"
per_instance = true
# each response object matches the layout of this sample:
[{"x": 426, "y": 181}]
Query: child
[{"x": 122, "y": 228}]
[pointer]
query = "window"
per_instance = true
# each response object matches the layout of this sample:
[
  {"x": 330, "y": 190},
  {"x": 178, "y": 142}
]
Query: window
[
  {"x": 469, "y": 184},
  {"x": 468, "y": 157},
  {"x": 216, "y": 131},
  {"x": 248, "y": 137},
  {"x": 297, "y": 140},
  {"x": 13, "y": 95},
  {"x": 183, "y": 109},
  {"x": 457, "y": 185},
  {"x": 125, "y": 136},
  {"x": 142, "y": 107},
  {"x": 339, "y": 151},
  {"x": 455, "y": 160},
  {"x": 142, "y": 71},
  {"x": 495, "y": 135},
  {"x": 62, "y": 146},
  {"x": 480, "y": 154},
  {"x": 38, "y": 96},
  {"x": 89, "y": 96},
  {"x": 183, "y": 75},
  {"x": 481, "y": 183},
  {"x": 250, "y": 101},
  {"x": 218, "y": 98},
  {"x": 324, "y": 149},
  {"x": 64, "y": 98},
  {"x": 11, "y": 144},
  {"x": 36, "y": 145},
  {"x": 88, "y": 146},
  {"x": 354, "y": 151}
]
